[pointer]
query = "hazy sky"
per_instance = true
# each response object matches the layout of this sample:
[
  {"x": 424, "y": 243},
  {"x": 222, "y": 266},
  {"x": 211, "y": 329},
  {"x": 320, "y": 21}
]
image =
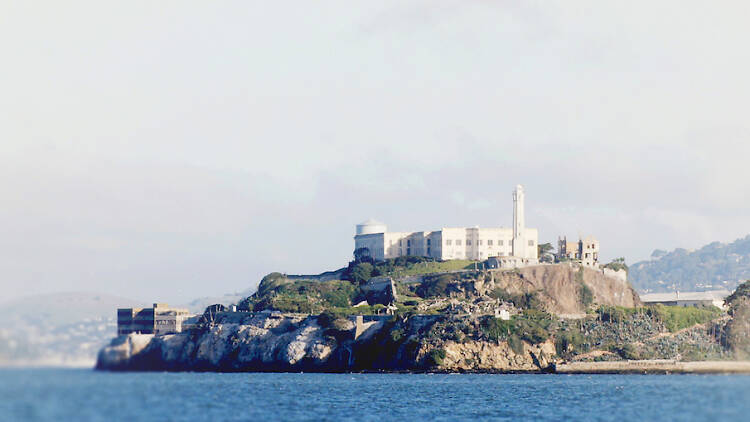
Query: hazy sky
[{"x": 174, "y": 149}]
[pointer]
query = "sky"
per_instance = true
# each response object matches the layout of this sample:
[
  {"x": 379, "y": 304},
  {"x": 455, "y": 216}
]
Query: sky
[{"x": 164, "y": 151}]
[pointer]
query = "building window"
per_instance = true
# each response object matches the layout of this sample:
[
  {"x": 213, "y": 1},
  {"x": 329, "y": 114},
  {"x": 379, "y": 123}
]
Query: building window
[
  {"x": 479, "y": 242},
  {"x": 408, "y": 251},
  {"x": 428, "y": 250},
  {"x": 531, "y": 243},
  {"x": 400, "y": 251},
  {"x": 408, "y": 243},
  {"x": 448, "y": 242},
  {"x": 500, "y": 243},
  {"x": 399, "y": 242},
  {"x": 468, "y": 242},
  {"x": 489, "y": 242},
  {"x": 458, "y": 242},
  {"x": 428, "y": 242}
]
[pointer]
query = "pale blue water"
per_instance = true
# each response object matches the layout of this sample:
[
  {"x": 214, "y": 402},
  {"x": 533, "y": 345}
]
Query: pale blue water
[{"x": 84, "y": 395}]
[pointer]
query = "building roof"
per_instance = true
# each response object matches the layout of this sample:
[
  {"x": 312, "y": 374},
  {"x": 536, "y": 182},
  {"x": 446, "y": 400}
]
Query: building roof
[
  {"x": 371, "y": 222},
  {"x": 675, "y": 296}
]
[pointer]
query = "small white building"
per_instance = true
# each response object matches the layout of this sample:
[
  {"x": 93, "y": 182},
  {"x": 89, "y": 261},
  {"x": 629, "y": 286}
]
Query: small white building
[
  {"x": 373, "y": 238},
  {"x": 686, "y": 299}
]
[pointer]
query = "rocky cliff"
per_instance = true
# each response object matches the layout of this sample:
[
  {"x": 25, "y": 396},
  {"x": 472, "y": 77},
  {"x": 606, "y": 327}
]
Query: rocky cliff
[{"x": 274, "y": 342}]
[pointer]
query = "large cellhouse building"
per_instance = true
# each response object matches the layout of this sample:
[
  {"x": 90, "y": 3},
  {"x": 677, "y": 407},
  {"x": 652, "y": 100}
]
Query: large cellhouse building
[{"x": 374, "y": 239}]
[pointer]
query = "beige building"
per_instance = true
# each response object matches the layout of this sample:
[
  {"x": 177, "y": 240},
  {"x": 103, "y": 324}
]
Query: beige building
[
  {"x": 161, "y": 319},
  {"x": 374, "y": 239},
  {"x": 585, "y": 250}
]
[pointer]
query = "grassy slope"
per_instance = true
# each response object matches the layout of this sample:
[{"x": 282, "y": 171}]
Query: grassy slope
[{"x": 432, "y": 267}]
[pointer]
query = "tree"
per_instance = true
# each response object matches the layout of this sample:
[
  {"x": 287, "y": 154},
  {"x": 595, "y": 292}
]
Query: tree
[
  {"x": 617, "y": 264},
  {"x": 543, "y": 248},
  {"x": 363, "y": 255},
  {"x": 361, "y": 272}
]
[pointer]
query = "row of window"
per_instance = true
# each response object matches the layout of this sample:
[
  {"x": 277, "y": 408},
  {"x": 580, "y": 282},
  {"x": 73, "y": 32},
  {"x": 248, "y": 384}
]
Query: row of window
[{"x": 449, "y": 242}]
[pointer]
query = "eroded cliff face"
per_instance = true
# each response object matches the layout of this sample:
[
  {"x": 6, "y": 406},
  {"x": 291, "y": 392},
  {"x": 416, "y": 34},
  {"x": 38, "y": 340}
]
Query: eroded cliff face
[
  {"x": 559, "y": 287},
  {"x": 264, "y": 342}
]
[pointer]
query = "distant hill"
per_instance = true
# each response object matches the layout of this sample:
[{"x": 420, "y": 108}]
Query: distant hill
[
  {"x": 714, "y": 266},
  {"x": 69, "y": 328},
  {"x": 58, "y": 328}
]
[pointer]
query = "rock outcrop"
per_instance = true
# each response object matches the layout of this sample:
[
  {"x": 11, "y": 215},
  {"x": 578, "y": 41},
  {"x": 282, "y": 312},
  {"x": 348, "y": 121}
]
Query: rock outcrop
[{"x": 274, "y": 342}]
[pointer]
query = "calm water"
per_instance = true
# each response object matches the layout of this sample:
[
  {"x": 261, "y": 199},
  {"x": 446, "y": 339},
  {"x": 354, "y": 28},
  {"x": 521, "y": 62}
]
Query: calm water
[{"x": 85, "y": 395}]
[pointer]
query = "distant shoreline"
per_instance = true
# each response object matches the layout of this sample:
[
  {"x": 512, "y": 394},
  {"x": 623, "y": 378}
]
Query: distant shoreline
[{"x": 656, "y": 366}]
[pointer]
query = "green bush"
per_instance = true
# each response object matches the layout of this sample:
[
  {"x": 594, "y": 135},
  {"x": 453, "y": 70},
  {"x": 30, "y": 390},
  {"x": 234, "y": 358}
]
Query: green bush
[
  {"x": 569, "y": 341},
  {"x": 436, "y": 357}
]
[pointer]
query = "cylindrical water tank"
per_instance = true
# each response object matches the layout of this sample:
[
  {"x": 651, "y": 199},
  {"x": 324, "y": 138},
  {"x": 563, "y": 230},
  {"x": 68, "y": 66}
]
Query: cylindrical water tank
[{"x": 371, "y": 226}]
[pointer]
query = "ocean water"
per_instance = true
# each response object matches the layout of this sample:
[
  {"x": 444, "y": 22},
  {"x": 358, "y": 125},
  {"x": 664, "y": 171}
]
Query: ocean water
[{"x": 86, "y": 395}]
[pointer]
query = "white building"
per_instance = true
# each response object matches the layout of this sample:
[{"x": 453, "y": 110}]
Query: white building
[{"x": 374, "y": 239}]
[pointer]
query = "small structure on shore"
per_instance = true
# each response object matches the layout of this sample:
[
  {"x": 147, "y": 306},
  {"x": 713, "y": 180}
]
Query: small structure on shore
[
  {"x": 160, "y": 319},
  {"x": 687, "y": 299}
]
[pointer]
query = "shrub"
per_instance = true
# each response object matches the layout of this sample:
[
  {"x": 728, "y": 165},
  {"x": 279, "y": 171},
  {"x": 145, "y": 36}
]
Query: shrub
[
  {"x": 627, "y": 351},
  {"x": 436, "y": 357},
  {"x": 585, "y": 295},
  {"x": 515, "y": 343},
  {"x": 569, "y": 341},
  {"x": 496, "y": 329},
  {"x": 435, "y": 286}
]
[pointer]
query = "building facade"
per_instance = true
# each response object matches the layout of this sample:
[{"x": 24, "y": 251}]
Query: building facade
[
  {"x": 159, "y": 320},
  {"x": 585, "y": 250},
  {"x": 373, "y": 238}
]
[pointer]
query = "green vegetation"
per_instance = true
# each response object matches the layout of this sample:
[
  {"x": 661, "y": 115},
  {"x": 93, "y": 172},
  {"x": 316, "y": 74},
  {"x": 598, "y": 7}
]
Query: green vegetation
[
  {"x": 617, "y": 314},
  {"x": 359, "y": 271},
  {"x": 435, "y": 286},
  {"x": 435, "y": 357},
  {"x": 617, "y": 264},
  {"x": 626, "y": 351},
  {"x": 585, "y": 295},
  {"x": 570, "y": 341},
  {"x": 532, "y": 326},
  {"x": 676, "y": 318},
  {"x": 276, "y": 292}
]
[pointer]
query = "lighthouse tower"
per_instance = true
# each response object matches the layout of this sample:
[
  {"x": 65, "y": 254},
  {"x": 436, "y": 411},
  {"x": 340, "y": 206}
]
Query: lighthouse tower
[{"x": 519, "y": 224}]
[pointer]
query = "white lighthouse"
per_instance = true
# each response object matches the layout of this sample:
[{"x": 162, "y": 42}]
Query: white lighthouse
[{"x": 519, "y": 225}]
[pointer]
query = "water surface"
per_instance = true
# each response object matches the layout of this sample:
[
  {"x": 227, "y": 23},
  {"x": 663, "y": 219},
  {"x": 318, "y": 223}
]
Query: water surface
[{"x": 85, "y": 395}]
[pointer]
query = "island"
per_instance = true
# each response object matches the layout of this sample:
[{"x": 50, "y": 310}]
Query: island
[{"x": 416, "y": 313}]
